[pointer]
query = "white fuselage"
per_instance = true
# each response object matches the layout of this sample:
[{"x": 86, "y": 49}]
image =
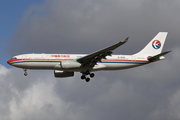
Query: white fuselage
[
  {"x": 53, "y": 62},
  {"x": 64, "y": 65}
]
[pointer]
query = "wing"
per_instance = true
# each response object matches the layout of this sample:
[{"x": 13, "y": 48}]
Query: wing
[{"x": 95, "y": 57}]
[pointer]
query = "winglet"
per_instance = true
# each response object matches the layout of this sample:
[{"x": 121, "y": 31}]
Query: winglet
[{"x": 125, "y": 40}]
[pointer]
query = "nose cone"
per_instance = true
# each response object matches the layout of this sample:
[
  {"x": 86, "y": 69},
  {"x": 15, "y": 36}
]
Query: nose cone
[{"x": 9, "y": 62}]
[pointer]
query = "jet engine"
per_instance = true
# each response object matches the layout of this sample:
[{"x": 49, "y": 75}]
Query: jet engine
[
  {"x": 70, "y": 64},
  {"x": 60, "y": 74}
]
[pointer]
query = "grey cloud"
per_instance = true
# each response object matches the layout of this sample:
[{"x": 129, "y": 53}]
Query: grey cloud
[
  {"x": 147, "y": 92},
  {"x": 72, "y": 26}
]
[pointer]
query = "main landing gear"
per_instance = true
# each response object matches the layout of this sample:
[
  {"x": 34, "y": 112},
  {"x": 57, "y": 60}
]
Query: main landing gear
[
  {"x": 25, "y": 72},
  {"x": 84, "y": 74}
]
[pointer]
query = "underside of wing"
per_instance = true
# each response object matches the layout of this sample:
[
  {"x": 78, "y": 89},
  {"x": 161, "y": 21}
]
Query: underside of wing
[{"x": 95, "y": 57}]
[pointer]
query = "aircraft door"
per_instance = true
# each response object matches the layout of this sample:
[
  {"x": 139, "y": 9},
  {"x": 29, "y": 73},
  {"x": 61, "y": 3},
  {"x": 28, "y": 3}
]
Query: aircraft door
[
  {"x": 134, "y": 58},
  {"x": 24, "y": 57}
]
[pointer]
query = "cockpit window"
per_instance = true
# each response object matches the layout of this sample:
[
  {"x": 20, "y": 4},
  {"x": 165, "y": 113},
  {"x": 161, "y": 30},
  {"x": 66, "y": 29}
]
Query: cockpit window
[{"x": 14, "y": 58}]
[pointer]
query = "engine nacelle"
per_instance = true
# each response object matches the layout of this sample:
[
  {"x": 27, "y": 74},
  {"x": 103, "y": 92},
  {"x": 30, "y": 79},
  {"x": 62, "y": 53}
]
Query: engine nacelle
[
  {"x": 60, "y": 74},
  {"x": 70, "y": 65}
]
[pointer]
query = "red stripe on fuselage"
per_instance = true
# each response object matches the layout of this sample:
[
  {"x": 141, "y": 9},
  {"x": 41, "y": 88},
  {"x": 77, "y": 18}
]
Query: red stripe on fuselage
[
  {"x": 115, "y": 60},
  {"x": 19, "y": 60}
]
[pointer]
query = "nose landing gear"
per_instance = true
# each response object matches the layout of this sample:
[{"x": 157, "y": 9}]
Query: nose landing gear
[
  {"x": 25, "y": 72},
  {"x": 84, "y": 74}
]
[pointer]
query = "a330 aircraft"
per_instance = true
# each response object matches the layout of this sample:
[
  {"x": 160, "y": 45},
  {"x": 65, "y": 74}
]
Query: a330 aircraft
[{"x": 64, "y": 65}]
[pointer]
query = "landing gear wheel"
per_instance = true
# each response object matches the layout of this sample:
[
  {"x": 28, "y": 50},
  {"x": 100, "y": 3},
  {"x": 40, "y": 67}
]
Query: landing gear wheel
[
  {"x": 87, "y": 79},
  {"x": 92, "y": 75},
  {"x": 87, "y": 72},
  {"x": 83, "y": 77},
  {"x": 25, "y": 74}
]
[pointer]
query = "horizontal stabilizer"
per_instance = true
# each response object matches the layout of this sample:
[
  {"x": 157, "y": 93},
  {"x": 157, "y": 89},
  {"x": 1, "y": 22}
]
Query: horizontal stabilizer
[{"x": 158, "y": 57}]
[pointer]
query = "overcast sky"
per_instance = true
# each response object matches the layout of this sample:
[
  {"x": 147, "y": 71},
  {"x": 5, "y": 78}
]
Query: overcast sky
[{"x": 84, "y": 26}]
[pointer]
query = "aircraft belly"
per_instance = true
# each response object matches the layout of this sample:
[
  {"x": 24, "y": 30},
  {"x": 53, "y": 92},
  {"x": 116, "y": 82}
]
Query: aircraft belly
[
  {"x": 20, "y": 65},
  {"x": 35, "y": 65},
  {"x": 119, "y": 66}
]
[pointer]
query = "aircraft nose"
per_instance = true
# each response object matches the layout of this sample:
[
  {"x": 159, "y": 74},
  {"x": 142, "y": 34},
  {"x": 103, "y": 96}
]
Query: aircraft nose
[{"x": 9, "y": 62}]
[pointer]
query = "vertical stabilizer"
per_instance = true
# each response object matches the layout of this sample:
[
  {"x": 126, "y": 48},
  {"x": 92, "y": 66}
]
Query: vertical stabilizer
[{"x": 155, "y": 46}]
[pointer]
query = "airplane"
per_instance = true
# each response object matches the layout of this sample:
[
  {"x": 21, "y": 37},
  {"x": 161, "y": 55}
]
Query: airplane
[{"x": 64, "y": 65}]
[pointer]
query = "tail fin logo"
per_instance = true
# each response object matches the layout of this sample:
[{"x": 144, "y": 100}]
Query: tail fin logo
[{"x": 156, "y": 44}]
